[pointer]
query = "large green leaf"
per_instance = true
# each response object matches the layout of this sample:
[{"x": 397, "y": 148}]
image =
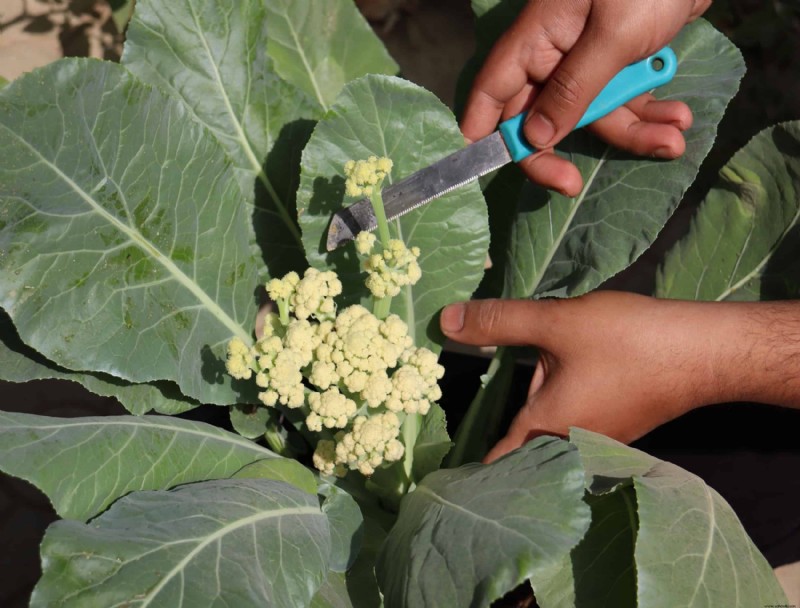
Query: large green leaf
[
  {"x": 691, "y": 549},
  {"x": 743, "y": 243},
  {"x": 600, "y": 571},
  {"x": 466, "y": 536},
  {"x": 84, "y": 464},
  {"x": 357, "y": 588},
  {"x": 347, "y": 526},
  {"x": 565, "y": 246},
  {"x": 125, "y": 244},
  {"x": 432, "y": 443},
  {"x": 243, "y": 542},
  {"x": 321, "y": 46},
  {"x": 213, "y": 56},
  {"x": 388, "y": 116},
  {"x": 20, "y": 363}
]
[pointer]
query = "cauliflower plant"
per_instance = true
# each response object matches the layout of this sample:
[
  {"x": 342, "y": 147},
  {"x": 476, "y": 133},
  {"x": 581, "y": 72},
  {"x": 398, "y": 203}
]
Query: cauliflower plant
[{"x": 355, "y": 375}]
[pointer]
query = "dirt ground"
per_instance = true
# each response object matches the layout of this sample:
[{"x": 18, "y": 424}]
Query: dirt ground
[{"x": 431, "y": 40}]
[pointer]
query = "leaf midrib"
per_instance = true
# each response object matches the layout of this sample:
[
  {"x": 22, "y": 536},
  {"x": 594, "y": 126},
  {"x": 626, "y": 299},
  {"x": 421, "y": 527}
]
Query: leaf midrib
[
  {"x": 241, "y": 137},
  {"x": 758, "y": 267},
  {"x": 136, "y": 239},
  {"x": 83, "y": 423},
  {"x": 227, "y": 529},
  {"x": 301, "y": 53},
  {"x": 568, "y": 222}
]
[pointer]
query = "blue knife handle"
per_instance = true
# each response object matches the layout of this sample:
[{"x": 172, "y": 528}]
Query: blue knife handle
[{"x": 630, "y": 82}]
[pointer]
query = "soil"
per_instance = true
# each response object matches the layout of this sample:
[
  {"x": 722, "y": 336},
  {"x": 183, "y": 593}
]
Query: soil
[{"x": 748, "y": 453}]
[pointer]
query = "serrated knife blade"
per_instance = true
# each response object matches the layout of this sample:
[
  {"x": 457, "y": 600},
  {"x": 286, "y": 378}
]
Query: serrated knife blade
[
  {"x": 462, "y": 167},
  {"x": 492, "y": 152}
]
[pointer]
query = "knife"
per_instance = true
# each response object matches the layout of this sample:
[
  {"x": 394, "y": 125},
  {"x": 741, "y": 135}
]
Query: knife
[{"x": 505, "y": 145}]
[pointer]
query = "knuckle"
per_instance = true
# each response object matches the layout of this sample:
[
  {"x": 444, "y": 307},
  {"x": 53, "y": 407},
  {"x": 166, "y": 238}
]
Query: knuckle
[
  {"x": 565, "y": 89},
  {"x": 490, "y": 316}
]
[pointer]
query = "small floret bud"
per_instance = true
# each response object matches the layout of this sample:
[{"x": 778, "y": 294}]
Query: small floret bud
[
  {"x": 364, "y": 242},
  {"x": 281, "y": 289},
  {"x": 313, "y": 295},
  {"x": 394, "y": 267},
  {"x": 323, "y": 374},
  {"x": 240, "y": 360},
  {"x": 333, "y": 409},
  {"x": 371, "y": 442},
  {"x": 325, "y": 459},
  {"x": 363, "y": 176}
]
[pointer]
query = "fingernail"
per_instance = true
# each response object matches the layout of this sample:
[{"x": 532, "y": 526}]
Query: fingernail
[
  {"x": 539, "y": 130},
  {"x": 663, "y": 152},
  {"x": 452, "y": 319}
]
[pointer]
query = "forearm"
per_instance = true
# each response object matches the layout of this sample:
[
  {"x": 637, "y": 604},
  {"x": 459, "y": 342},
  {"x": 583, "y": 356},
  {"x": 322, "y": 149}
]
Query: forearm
[{"x": 753, "y": 351}]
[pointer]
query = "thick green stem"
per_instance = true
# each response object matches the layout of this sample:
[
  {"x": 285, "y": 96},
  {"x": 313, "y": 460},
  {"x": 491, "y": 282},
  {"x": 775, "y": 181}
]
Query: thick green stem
[
  {"x": 381, "y": 307},
  {"x": 283, "y": 311},
  {"x": 480, "y": 428},
  {"x": 409, "y": 432},
  {"x": 380, "y": 215}
]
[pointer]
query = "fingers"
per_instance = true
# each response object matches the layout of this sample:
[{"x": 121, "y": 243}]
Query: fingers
[
  {"x": 553, "y": 172},
  {"x": 502, "y": 78},
  {"x": 498, "y": 322},
  {"x": 647, "y": 127},
  {"x": 566, "y": 95}
]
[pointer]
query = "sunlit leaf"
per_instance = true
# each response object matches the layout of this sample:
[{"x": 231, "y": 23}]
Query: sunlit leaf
[
  {"x": 564, "y": 246},
  {"x": 321, "y": 46},
  {"x": 691, "y": 549},
  {"x": 84, "y": 464},
  {"x": 467, "y": 536},
  {"x": 280, "y": 469},
  {"x": 20, "y": 363},
  {"x": 213, "y": 57},
  {"x": 387, "y": 116},
  {"x": 228, "y": 542},
  {"x": 125, "y": 244},
  {"x": 743, "y": 243}
]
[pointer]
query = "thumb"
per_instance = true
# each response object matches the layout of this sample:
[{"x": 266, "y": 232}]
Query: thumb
[
  {"x": 524, "y": 427},
  {"x": 498, "y": 322},
  {"x": 569, "y": 91}
]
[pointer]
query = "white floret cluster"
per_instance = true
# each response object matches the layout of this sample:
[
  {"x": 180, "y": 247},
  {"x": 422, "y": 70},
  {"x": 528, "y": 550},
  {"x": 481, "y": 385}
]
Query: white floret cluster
[
  {"x": 354, "y": 376},
  {"x": 389, "y": 268},
  {"x": 364, "y": 177}
]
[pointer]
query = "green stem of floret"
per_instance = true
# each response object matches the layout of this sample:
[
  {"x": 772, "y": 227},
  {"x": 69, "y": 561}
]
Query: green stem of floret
[
  {"x": 283, "y": 310},
  {"x": 380, "y": 215},
  {"x": 275, "y": 436},
  {"x": 381, "y": 307},
  {"x": 409, "y": 433}
]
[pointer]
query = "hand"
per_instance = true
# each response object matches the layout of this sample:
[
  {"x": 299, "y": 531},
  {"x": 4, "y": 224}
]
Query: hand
[
  {"x": 622, "y": 364},
  {"x": 556, "y": 58}
]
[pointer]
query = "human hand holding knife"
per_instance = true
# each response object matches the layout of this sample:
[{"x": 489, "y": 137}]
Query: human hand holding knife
[{"x": 505, "y": 145}]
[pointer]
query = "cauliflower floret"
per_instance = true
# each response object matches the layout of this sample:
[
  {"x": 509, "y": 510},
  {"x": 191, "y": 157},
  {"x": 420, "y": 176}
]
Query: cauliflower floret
[
  {"x": 240, "y": 360},
  {"x": 372, "y": 442},
  {"x": 330, "y": 409},
  {"x": 286, "y": 380},
  {"x": 325, "y": 459},
  {"x": 365, "y": 343},
  {"x": 363, "y": 176},
  {"x": 313, "y": 295},
  {"x": 365, "y": 241},
  {"x": 415, "y": 384},
  {"x": 302, "y": 338},
  {"x": 323, "y": 374},
  {"x": 282, "y": 289},
  {"x": 391, "y": 269},
  {"x": 377, "y": 389}
]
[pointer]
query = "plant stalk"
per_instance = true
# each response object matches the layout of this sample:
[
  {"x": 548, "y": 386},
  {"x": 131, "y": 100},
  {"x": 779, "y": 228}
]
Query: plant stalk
[{"x": 376, "y": 199}]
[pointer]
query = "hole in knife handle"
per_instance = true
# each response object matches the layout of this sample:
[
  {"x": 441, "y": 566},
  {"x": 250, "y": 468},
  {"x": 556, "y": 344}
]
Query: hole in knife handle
[{"x": 657, "y": 64}]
